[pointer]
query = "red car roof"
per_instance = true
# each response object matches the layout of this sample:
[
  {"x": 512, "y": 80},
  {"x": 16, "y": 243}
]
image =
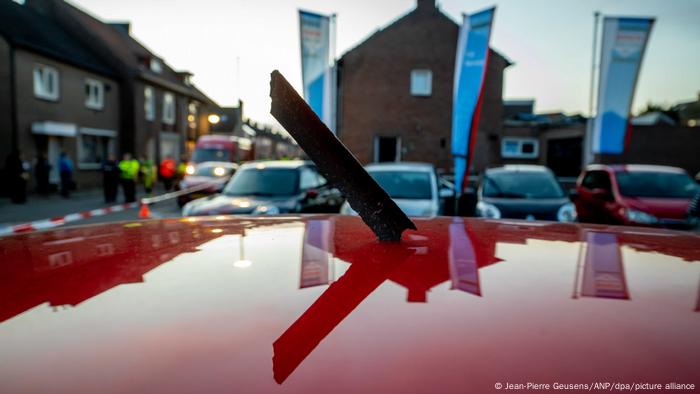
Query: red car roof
[{"x": 315, "y": 304}]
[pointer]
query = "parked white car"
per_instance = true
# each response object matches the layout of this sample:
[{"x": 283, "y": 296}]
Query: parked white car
[{"x": 413, "y": 186}]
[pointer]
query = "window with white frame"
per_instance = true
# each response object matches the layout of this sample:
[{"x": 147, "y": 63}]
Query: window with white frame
[
  {"x": 421, "y": 83},
  {"x": 149, "y": 103},
  {"x": 520, "y": 148},
  {"x": 46, "y": 82},
  {"x": 94, "y": 146},
  {"x": 94, "y": 94},
  {"x": 168, "y": 108}
]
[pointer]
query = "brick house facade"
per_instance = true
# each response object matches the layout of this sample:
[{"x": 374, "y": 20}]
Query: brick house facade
[{"x": 381, "y": 119}]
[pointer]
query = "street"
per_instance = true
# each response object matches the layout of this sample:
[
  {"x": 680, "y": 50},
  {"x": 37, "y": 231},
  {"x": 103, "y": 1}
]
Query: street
[{"x": 40, "y": 208}]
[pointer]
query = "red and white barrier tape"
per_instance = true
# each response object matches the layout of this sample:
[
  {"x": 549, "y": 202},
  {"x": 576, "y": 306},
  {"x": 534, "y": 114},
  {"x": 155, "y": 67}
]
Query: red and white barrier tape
[
  {"x": 168, "y": 196},
  {"x": 74, "y": 217},
  {"x": 61, "y": 220}
]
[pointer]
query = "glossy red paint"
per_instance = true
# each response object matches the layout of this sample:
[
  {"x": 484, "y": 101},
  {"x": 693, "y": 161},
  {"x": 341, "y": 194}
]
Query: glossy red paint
[{"x": 315, "y": 303}]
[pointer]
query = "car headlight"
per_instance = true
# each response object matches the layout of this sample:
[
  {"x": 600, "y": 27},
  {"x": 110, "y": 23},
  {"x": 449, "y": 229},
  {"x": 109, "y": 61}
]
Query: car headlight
[
  {"x": 640, "y": 217},
  {"x": 189, "y": 170},
  {"x": 567, "y": 213},
  {"x": 266, "y": 210},
  {"x": 486, "y": 210}
]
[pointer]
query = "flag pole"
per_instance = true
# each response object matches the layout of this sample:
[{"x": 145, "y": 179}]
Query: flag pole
[{"x": 588, "y": 138}]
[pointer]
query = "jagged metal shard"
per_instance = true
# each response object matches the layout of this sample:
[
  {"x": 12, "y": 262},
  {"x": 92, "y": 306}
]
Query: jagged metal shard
[{"x": 336, "y": 163}]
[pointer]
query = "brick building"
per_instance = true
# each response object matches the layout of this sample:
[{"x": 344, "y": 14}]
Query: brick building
[
  {"x": 162, "y": 112},
  {"x": 395, "y": 92},
  {"x": 556, "y": 140},
  {"x": 55, "y": 95}
]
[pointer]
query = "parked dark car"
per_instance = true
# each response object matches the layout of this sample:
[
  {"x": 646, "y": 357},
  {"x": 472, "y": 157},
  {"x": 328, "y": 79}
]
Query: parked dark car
[
  {"x": 641, "y": 195},
  {"x": 270, "y": 188},
  {"x": 523, "y": 192},
  {"x": 217, "y": 174}
]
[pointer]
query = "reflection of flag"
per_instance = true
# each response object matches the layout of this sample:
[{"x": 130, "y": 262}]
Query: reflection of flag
[
  {"x": 623, "y": 44},
  {"x": 470, "y": 71},
  {"x": 316, "y": 253},
  {"x": 464, "y": 270},
  {"x": 316, "y": 57},
  {"x": 603, "y": 271}
]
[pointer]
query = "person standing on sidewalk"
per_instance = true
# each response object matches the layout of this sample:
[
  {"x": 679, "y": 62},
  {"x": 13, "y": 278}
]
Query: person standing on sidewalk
[
  {"x": 110, "y": 179},
  {"x": 17, "y": 177},
  {"x": 41, "y": 173},
  {"x": 148, "y": 175},
  {"x": 128, "y": 173},
  {"x": 65, "y": 168},
  {"x": 167, "y": 172}
]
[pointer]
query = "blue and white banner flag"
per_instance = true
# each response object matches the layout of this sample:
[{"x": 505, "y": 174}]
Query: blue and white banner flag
[
  {"x": 470, "y": 70},
  {"x": 317, "y": 69},
  {"x": 622, "y": 49}
]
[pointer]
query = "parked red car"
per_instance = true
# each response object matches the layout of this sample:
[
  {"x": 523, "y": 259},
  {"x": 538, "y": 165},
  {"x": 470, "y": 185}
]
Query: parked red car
[
  {"x": 315, "y": 304},
  {"x": 641, "y": 195}
]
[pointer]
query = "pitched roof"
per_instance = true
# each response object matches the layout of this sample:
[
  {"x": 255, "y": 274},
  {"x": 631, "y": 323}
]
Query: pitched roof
[
  {"x": 25, "y": 28},
  {"x": 131, "y": 56},
  {"x": 410, "y": 17}
]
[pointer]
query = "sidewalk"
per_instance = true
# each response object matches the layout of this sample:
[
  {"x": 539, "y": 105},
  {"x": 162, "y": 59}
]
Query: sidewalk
[{"x": 38, "y": 207}]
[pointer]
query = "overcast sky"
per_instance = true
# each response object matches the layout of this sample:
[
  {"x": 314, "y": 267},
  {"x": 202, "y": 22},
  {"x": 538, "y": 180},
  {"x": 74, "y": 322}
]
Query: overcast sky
[{"x": 548, "y": 40}]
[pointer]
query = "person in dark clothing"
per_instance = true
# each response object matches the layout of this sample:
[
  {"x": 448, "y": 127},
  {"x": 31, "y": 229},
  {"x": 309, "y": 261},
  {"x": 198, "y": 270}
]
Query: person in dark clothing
[
  {"x": 41, "y": 173},
  {"x": 17, "y": 177},
  {"x": 65, "y": 167},
  {"x": 110, "y": 179}
]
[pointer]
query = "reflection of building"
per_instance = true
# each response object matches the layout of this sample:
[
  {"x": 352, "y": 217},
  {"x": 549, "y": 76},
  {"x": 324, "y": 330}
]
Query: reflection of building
[
  {"x": 75, "y": 265},
  {"x": 395, "y": 92},
  {"x": 55, "y": 95}
]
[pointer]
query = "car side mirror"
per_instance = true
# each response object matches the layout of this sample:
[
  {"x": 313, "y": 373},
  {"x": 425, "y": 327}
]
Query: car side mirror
[{"x": 446, "y": 192}]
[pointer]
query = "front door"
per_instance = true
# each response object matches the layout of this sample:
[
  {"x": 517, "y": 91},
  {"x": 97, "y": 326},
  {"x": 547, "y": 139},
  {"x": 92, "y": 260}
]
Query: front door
[{"x": 387, "y": 149}]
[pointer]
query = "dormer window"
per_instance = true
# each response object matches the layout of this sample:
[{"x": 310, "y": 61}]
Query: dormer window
[{"x": 156, "y": 66}]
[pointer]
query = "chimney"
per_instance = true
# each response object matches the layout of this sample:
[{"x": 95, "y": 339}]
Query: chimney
[{"x": 425, "y": 5}]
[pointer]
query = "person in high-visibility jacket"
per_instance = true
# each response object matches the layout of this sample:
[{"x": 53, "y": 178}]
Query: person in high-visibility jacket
[
  {"x": 148, "y": 175},
  {"x": 128, "y": 173},
  {"x": 181, "y": 169}
]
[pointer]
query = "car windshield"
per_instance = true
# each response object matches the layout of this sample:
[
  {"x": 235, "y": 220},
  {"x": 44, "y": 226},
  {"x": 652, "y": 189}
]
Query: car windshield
[
  {"x": 263, "y": 182},
  {"x": 656, "y": 184},
  {"x": 213, "y": 171},
  {"x": 521, "y": 184},
  {"x": 410, "y": 185},
  {"x": 210, "y": 154}
]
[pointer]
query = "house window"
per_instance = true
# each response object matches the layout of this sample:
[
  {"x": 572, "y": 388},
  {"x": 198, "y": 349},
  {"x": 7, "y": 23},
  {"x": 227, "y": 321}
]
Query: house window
[
  {"x": 149, "y": 105},
  {"x": 94, "y": 94},
  {"x": 520, "y": 148},
  {"x": 94, "y": 146},
  {"x": 192, "y": 110},
  {"x": 156, "y": 66},
  {"x": 46, "y": 82},
  {"x": 168, "y": 108},
  {"x": 421, "y": 83}
]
